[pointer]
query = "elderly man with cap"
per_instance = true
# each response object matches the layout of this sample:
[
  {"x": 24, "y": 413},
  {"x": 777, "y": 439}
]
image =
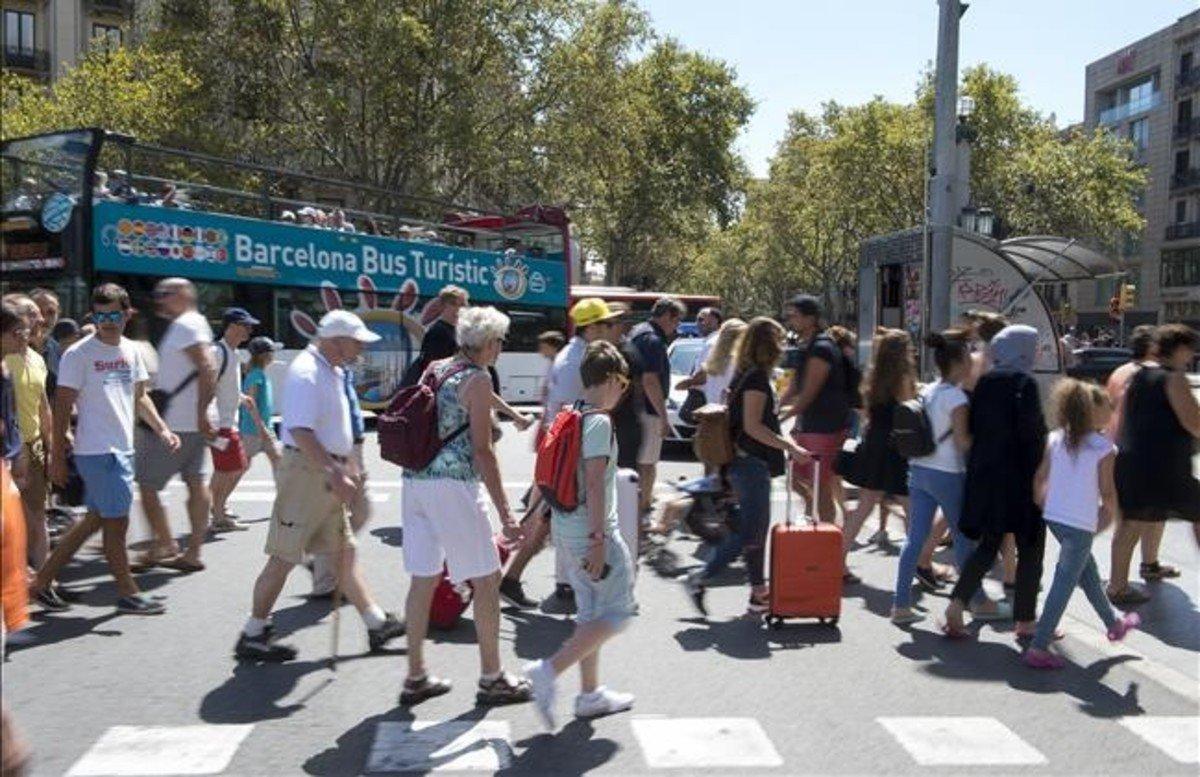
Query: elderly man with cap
[
  {"x": 594, "y": 320},
  {"x": 818, "y": 395},
  {"x": 229, "y": 458},
  {"x": 318, "y": 478}
]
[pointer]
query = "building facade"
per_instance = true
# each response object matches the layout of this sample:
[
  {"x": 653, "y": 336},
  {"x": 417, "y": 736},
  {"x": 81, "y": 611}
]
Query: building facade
[
  {"x": 1149, "y": 92},
  {"x": 45, "y": 38}
]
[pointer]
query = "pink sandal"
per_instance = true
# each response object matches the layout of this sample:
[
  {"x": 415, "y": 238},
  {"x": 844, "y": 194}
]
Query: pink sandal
[
  {"x": 1042, "y": 659},
  {"x": 1125, "y": 624}
]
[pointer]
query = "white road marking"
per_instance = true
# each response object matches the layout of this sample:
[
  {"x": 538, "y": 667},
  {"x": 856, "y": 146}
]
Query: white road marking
[
  {"x": 430, "y": 745},
  {"x": 704, "y": 743},
  {"x": 1172, "y": 679},
  {"x": 252, "y": 496},
  {"x": 1177, "y": 736},
  {"x": 965, "y": 741},
  {"x": 144, "y": 750}
]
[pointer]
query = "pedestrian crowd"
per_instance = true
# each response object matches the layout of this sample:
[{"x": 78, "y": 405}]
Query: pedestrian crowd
[{"x": 967, "y": 460}]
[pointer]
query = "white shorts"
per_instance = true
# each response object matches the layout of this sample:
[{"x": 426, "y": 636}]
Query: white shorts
[
  {"x": 652, "y": 440},
  {"x": 447, "y": 521}
]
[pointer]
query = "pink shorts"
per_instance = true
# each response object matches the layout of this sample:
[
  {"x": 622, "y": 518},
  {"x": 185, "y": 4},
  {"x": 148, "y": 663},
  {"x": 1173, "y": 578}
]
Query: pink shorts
[{"x": 824, "y": 448}]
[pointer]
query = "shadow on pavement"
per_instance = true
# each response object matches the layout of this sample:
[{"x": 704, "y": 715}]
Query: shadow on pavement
[
  {"x": 877, "y": 600},
  {"x": 749, "y": 639},
  {"x": 253, "y": 691},
  {"x": 389, "y": 535},
  {"x": 50, "y": 629},
  {"x": 570, "y": 751},
  {"x": 975, "y": 661},
  {"x": 1171, "y": 616},
  {"x": 349, "y": 755},
  {"x": 536, "y": 635}
]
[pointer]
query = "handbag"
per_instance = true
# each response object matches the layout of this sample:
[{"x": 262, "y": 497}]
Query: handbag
[
  {"x": 694, "y": 401},
  {"x": 847, "y": 460}
]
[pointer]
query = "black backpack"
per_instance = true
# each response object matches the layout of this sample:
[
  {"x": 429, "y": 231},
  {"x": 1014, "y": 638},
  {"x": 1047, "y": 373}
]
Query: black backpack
[{"x": 912, "y": 431}]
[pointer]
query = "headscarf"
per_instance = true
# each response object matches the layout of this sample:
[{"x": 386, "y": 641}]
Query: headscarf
[{"x": 1014, "y": 348}]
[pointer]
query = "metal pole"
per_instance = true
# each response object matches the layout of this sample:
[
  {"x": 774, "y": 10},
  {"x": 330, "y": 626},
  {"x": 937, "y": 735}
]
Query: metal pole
[{"x": 945, "y": 154}]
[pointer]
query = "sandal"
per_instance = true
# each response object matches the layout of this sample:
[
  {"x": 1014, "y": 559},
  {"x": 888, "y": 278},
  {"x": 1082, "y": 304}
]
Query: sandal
[
  {"x": 907, "y": 618},
  {"x": 1128, "y": 595},
  {"x": 954, "y": 632},
  {"x": 182, "y": 564},
  {"x": 503, "y": 690},
  {"x": 1156, "y": 571},
  {"x": 1024, "y": 638},
  {"x": 427, "y": 687}
]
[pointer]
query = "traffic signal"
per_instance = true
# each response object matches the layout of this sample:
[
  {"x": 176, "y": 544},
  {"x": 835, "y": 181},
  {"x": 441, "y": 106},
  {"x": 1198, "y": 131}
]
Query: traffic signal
[{"x": 1128, "y": 296}]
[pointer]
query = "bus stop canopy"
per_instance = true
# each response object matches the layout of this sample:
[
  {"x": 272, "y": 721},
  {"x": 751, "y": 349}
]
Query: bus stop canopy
[{"x": 1048, "y": 258}]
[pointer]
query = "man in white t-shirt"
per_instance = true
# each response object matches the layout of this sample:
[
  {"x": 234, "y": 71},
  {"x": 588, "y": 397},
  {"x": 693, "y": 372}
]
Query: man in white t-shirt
[
  {"x": 317, "y": 479},
  {"x": 186, "y": 381},
  {"x": 104, "y": 377},
  {"x": 229, "y": 459}
]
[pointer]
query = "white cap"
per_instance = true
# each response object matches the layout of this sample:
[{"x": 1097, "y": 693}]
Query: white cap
[{"x": 343, "y": 323}]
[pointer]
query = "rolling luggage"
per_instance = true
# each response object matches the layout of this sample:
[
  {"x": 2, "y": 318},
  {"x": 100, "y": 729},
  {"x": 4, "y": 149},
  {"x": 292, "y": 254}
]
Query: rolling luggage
[{"x": 806, "y": 567}]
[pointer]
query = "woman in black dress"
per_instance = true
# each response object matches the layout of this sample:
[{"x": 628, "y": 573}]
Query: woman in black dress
[
  {"x": 1008, "y": 433},
  {"x": 879, "y": 471},
  {"x": 1156, "y": 441}
]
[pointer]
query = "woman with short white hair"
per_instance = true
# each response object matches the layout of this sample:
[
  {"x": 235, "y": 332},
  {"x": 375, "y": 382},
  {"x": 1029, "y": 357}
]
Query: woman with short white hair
[{"x": 444, "y": 516}]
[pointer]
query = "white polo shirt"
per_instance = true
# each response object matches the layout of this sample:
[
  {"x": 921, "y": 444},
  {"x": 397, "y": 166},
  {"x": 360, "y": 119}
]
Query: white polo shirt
[{"x": 313, "y": 398}]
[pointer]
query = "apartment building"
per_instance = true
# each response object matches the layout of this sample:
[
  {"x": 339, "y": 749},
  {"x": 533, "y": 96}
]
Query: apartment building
[
  {"x": 45, "y": 38},
  {"x": 1149, "y": 92}
]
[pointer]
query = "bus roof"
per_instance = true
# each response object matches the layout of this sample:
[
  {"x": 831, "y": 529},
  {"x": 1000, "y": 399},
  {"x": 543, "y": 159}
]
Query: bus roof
[{"x": 629, "y": 294}]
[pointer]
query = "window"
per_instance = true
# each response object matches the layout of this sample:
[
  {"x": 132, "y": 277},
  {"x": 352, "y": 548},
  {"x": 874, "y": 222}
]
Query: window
[
  {"x": 1180, "y": 267},
  {"x": 1184, "y": 114},
  {"x": 1182, "y": 160},
  {"x": 106, "y": 36},
  {"x": 1139, "y": 134},
  {"x": 1185, "y": 62},
  {"x": 18, "y": 32},
  {"x": 1180, "y": 211}
]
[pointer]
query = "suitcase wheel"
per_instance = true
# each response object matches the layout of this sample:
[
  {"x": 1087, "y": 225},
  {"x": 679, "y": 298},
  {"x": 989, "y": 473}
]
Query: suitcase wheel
[
  {"x": 830, "y": 621},
  {"x": 774, "y": 621}
]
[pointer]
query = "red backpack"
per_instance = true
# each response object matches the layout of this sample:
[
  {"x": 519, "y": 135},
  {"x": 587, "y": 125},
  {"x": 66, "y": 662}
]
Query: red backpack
[
  {"x": 555, "y": 472},
  {"x": 408, "y": 429}
]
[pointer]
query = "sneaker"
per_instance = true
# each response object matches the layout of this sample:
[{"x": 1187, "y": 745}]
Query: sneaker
[
  {"x": 50, "y": 600},
  {"x": 227, "y": 524},
  {"x": 139, "y": 605},
  {"x": 262, "y": 648},
  {"x": 928, "y": 580},
  {"x": 545, "y": 690},
  {"x": 1125, "y": 624},
  {"x": 1042, "y": 659},
  {"x": 505, "y": 689},
  {"x": 695, "y": 591},
  {"x": 391, "y": 628},
  {"x": 513, "y": 592},
  {"x": 602, "y": 701},
  {"x": 564, "y": 592}
]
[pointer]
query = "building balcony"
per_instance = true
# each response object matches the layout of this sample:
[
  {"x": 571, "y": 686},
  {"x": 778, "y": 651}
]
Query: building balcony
[
  {"x": 19, "y": 58},
  {"x": 1187, "y": 130},
  {"x": 1124, "y": 110},
  {"x": 1188, "y": 79},
  {"x": 122, "y": 7},
  {"x": 1187, "y": 179},
  {"x": 1184, "y": 230}
]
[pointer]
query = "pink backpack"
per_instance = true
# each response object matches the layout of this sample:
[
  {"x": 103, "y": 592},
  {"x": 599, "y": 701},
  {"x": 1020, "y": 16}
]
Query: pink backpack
[{"x": 408, "y": 429}]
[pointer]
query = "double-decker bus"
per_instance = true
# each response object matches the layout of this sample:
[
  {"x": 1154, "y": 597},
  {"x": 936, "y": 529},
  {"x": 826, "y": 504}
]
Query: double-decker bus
[
  {"x": 86, "y": 206},
  {"x": 640, "y": 302}
]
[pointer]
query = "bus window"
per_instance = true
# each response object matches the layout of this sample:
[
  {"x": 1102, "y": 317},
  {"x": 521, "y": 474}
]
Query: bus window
[{"x": 528, "y": 323}]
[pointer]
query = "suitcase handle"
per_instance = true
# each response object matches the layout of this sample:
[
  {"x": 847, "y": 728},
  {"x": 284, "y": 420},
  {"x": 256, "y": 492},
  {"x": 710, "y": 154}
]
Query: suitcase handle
[{"x": 816, "y": 500}]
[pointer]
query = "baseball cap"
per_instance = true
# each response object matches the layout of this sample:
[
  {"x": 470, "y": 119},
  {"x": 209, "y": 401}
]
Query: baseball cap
[
  {"x": 262, "y": 344},
  {"x": 239, "y": 316},
  {"x": 806, "y": 305},
  {"x": 592, "y": 310},
  {"x": 343, "y": 323}
]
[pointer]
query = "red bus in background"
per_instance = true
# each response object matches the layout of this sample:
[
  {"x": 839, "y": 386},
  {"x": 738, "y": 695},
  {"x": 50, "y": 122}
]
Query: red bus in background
[{"x": 640, "y": 302}]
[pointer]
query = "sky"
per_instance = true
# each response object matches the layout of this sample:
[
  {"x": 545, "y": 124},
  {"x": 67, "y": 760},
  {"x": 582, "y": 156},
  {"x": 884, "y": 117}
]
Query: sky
[{"x": 797, "y": 54}]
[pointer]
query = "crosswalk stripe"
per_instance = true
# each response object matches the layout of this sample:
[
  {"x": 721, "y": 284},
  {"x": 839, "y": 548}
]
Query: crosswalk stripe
[
  {"x": 431, "y": 745},
  {"x": 1178, "y": 736},
  {"x": 148, "y": 750},
  {"x": 961, "y": 741},
  {"x": 699, "y": 743}
]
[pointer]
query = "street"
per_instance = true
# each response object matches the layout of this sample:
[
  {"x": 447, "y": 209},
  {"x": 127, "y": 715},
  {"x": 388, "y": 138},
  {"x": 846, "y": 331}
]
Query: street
[{"x": 100, "y": 694}]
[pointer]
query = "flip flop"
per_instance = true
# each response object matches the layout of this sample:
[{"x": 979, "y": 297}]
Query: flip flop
[
  {"x": 1157, "y": 571},
  {"x": 1129, "y": 595},
  {"x": 953, "y": 632},
  {"x": 181, "y": 564}
]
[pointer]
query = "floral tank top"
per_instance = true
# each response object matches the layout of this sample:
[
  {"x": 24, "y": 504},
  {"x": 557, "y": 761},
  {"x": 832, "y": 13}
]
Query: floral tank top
[{"x": 456, "y": 460}]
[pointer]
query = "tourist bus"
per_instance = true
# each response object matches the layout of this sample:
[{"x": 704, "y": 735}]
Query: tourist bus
[
  {"x": 85, "y": 206},
  {"x": 640, "y": 302}
]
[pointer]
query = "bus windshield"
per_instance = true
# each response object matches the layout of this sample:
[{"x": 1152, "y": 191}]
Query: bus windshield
[{"x": 33, "y": 169}]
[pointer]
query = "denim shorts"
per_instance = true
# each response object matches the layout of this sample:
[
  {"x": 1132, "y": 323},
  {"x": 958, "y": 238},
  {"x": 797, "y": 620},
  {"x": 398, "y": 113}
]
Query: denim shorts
[
  {"x": 610, "y": 599},
  {"x": 107, "y": 483}
]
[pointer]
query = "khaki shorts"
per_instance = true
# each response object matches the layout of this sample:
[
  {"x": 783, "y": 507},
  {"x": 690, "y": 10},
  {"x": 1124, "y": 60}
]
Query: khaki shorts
[
  {"x": 33, "y": 494},
  {"x": 652, "y": 440},
  {"x": 307, "y": 517}
]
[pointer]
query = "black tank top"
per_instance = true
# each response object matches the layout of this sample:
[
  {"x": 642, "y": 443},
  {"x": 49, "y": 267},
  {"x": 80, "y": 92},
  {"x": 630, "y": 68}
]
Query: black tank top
[{"x": 1150, "y": 425}]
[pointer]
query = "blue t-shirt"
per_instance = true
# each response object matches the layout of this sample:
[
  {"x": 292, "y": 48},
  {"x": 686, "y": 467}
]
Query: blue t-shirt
[
  {"x": 651, "y": 343},
  {"x": 264, "y": 398},
  {"x": 597, "y": 442}
]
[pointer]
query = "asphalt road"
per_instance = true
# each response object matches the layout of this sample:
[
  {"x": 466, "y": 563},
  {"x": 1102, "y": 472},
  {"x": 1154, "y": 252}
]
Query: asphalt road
[{"x": 103, "y": 694}]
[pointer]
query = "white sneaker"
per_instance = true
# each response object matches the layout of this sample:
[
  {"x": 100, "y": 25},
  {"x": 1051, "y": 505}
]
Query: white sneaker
[
  {"x": 541, "y": 677},
  {"x": 602, "y": 701}
]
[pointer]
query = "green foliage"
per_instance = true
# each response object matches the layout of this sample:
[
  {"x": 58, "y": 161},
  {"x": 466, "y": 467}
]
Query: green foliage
[{"x": 127, "y": 90}]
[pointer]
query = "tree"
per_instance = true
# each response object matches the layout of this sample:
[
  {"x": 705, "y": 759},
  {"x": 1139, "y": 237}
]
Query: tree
[{"x": 128, "y": 90}]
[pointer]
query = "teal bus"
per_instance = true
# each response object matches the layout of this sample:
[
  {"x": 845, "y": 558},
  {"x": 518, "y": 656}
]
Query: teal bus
[{"x": 87, "y": 205}]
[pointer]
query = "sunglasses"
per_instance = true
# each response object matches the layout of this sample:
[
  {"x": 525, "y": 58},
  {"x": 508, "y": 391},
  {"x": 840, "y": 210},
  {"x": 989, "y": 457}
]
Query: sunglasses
[{"x": 109, "y": 317}]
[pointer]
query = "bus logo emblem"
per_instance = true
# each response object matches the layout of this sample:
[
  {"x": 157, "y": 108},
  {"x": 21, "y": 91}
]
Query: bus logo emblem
[{"x": 511, "y": 276}]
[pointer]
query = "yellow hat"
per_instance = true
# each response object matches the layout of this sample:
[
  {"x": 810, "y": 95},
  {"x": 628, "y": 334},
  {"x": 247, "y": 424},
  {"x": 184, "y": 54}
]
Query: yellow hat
[{"x": 592, "y": 310}]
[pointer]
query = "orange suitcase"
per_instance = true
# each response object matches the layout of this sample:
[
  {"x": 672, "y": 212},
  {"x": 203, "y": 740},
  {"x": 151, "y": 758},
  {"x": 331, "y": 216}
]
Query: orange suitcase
[{"x": 806, "y": 568}]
